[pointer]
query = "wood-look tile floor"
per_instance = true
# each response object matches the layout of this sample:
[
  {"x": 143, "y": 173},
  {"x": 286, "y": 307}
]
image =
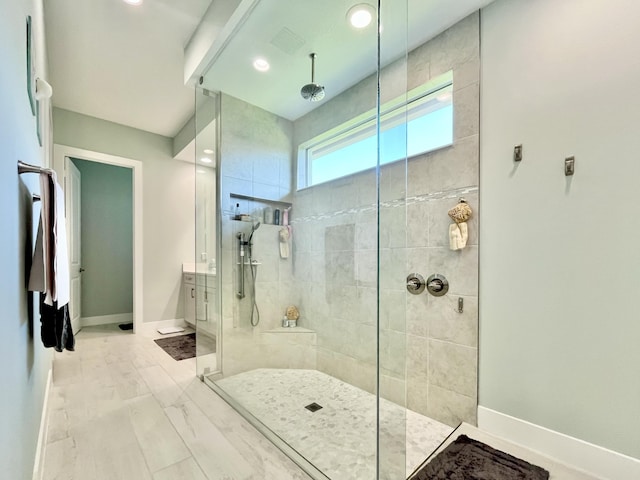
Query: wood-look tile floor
[{"x": 122, "y": 409}]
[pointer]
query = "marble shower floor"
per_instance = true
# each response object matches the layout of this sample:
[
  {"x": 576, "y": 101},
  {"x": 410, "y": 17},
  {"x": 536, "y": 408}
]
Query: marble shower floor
[{"x": 339, "y": 439}]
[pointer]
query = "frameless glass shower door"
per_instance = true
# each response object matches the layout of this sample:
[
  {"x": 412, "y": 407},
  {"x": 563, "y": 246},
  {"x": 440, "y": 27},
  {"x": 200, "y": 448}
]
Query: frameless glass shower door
[{"x": 201, "y": 290}]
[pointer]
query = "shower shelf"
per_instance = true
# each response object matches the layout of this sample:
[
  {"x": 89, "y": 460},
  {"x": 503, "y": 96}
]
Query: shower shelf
[
  {"x": 257, "y": 199},
  {"x": 290, "y": 330}
]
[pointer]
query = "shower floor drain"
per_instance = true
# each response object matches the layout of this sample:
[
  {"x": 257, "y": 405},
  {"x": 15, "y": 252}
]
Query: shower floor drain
[{"x": 313, "y": 407}]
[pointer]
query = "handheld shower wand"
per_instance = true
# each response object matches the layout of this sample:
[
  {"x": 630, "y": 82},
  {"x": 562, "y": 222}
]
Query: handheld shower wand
[
  {"x": 240, "y": 261},
  {"x": 255, "y": 312},
  {"x": 253, "y": 230},
  {"x": 243, "y": 253}
]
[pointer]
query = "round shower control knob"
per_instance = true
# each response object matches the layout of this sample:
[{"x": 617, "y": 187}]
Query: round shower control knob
[
  {"x": 415, "y": 283},
  {"x": 437, "y": 285}
]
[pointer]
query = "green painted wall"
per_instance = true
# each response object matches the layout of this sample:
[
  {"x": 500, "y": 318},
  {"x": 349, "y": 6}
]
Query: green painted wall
[
  {"x": 168, "y": 191},
  {"x": 559, "y": 329},
  {"x": 107, "y": 238}
]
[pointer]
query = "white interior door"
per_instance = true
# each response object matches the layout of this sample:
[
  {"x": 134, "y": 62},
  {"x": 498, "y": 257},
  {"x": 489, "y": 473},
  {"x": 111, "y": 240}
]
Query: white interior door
[{"x": 74, "y": 188}]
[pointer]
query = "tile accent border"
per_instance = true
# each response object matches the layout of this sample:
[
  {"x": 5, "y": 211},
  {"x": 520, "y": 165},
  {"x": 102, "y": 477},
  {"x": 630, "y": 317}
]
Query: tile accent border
[
  {"x": 591, "y": 458},
  {"x": 38, "y": 463},
  {"x": 400, "y": 202}
]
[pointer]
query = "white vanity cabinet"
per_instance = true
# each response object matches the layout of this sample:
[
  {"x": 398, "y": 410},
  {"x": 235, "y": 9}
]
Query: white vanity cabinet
[{"x": 199, "y": 296}]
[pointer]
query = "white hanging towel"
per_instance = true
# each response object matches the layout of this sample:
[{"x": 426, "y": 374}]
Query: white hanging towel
[
  {"x": 458, "y": 235},
  {"x": 50, "y": 265}
]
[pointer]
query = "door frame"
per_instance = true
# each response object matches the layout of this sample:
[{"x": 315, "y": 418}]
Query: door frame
[{"x": 60, "y": 152}]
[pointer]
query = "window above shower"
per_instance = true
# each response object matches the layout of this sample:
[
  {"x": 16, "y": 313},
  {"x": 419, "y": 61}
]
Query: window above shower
[{"x": 410, "y": 125}]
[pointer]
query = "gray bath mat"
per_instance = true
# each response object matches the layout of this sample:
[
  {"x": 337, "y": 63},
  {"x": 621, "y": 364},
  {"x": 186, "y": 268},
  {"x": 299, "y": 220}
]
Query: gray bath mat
[
  {"x": 468, "y": 459},
  {"x": 182, "y": 347}
]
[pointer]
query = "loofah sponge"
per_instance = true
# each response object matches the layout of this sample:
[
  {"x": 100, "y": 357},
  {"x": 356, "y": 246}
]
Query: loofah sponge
[
  {"x": 461, "y": 212},
  {"x": 292, "y": 313}
]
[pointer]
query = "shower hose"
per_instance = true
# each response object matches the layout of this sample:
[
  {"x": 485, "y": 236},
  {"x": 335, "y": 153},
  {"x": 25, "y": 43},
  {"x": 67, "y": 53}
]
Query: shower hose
[{"x": 255, "y": 312}]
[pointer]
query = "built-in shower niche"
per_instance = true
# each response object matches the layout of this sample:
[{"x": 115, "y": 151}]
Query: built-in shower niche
[{"x": 261, "y": 341}]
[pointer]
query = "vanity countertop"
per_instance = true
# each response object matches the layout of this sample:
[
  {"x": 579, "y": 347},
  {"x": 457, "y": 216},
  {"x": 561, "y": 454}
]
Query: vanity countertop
[{"x": 198, "y": 268}]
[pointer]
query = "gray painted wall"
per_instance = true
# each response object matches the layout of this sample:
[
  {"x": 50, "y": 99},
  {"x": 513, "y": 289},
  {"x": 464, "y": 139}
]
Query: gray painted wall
[
  {"x": 168, "y": 203},
  {"x": 27, "y": 363},
  {"x": 560, "y": 259},
  {"x": 106, "y": 238}
]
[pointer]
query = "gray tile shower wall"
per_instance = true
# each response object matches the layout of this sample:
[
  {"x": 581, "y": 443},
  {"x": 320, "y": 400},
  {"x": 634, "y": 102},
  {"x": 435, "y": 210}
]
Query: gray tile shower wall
[
  {"x": 256, "y": 162},
  {"x": 428, "y": 351}
]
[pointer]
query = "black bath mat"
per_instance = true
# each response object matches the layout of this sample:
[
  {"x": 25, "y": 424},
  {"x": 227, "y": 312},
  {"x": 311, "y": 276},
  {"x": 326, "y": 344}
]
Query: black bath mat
[
  {"x": 179, "y": 347},
  {"x": 468, "y": 459}
]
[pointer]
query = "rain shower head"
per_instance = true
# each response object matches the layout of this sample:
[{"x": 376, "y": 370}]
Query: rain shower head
[{"x": 312, "y": 91}]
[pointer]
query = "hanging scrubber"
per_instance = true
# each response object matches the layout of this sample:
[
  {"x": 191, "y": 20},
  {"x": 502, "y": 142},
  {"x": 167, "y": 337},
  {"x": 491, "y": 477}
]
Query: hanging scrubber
[
  {"x": 284, "y": 236},
  {"x": 458, "y": 231}
]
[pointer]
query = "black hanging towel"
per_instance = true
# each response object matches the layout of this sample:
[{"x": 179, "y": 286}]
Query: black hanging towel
[{"x": 55, "y": 326}]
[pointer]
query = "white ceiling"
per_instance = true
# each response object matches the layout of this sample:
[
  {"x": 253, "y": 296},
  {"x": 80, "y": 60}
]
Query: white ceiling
[
  {"x": 344, "y": 55},
  {"x": 123, "y": 63}
]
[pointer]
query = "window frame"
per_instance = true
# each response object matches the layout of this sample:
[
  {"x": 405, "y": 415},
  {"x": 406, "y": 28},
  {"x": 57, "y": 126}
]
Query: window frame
[{"x": 359, "y": 128}]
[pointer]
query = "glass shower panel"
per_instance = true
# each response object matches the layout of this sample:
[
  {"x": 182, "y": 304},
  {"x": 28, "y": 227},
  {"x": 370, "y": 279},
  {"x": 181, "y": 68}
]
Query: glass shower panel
[
  {"x": 392, "y": 246},
  {"x": 289, "y": 250},
  {"x": 202, "y": 294},
  {"x": 442, "y": 327}
]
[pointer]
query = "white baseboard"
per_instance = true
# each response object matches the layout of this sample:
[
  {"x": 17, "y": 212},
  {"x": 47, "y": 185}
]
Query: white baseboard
[
  {"x": 106, "y": 319},
  {"x": 38, "y": 463},
  {"x": 596, "y": 460},
  {"x": 150, "y": 328}
]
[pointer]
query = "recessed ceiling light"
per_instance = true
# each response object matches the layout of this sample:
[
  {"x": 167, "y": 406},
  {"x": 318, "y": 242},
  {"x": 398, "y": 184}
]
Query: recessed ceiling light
[
  {"x": 133, "y": 2},
  {"x": 261, "y": 65},
  {"x": 361, "y": 15},
  {"x": 208, "y": 151},
  {"x": 206, "y": 160}
]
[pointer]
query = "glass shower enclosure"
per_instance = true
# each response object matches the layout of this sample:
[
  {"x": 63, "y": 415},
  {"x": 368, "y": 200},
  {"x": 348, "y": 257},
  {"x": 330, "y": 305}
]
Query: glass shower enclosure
[{"x": 328, "y": 153}]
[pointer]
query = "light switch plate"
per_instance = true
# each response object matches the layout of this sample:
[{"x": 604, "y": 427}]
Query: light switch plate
[
  {"x": 569, "y": 166},
  {"x": 517, "y": 153}
]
